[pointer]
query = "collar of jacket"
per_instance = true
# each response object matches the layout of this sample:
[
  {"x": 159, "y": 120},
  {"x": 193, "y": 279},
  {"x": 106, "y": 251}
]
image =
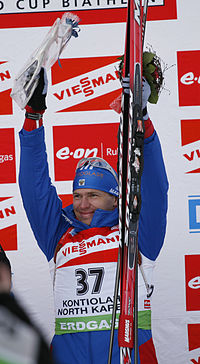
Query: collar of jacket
[{"x": 101, "y": 218}]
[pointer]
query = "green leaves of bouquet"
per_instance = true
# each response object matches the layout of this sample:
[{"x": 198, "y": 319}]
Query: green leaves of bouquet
[{"x": 153, "y": 73}]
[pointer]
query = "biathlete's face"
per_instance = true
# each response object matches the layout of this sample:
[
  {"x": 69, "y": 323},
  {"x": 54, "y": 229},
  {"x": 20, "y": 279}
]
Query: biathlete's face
[{"x": 86, "y": 201}]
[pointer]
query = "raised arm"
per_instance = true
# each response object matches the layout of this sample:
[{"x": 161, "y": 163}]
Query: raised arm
[
  {"x": 154, "y": 184},
  {"x": 41, "y": 202},
  {"x": 152, "y": 223}
]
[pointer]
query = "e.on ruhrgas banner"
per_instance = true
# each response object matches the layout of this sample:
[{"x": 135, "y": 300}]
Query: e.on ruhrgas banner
[
  {"x": 96, "y": 143},
  {"x": 7, "y": 158},
  {"x": 189, "y": 78},
  {"x": 79, "y": 122}
]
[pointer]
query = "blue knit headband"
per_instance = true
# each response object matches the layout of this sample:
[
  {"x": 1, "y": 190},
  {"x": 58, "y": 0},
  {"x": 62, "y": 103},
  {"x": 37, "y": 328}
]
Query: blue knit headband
[{"x": 96, "y": 178}]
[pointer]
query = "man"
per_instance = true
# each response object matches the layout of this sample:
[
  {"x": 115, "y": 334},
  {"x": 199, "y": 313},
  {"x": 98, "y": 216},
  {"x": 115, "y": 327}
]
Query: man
[{"x": 81, "y": 241}]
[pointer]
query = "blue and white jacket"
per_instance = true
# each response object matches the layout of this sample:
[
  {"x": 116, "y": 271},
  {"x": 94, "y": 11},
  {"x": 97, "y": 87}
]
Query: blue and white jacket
[{"x": 85, "y": 263}]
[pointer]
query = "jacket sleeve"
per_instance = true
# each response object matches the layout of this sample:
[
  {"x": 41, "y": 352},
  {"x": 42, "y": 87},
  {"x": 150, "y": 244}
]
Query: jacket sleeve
[
  {"x": 154, "y": 187},
  {"x": 41, "y": 202}
]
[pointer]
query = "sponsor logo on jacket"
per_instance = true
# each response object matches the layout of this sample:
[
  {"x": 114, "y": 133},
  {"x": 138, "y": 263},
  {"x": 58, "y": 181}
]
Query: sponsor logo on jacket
[{"x": 91, "y": 244}]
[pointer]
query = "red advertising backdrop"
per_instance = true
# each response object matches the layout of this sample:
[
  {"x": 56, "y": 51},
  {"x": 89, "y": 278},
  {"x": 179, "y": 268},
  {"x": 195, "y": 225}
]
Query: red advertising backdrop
[
  {"x": 90, "y": 12},
  {"x": 71, "y": 143},
  {"x": 193, "y": 337},
  {"x": 8, "y": 237},
  {"x": 190, "y": 132},
  {"x": 188, "y": 77},
  {"x": 82, "y": 123},
  {"x": 66, "y": 199},
  {"x": 85, "y": 84},
  {"x": 5, "y": 99},
  {"x": 7, "y": 156},
  {"x": 8, "y": 234},
  {"x": 192, "y": 282}
]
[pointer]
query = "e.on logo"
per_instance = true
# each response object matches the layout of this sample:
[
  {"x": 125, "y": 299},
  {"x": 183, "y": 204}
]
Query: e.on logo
[
  {"x": 147, "y": 304},
  {"x": 71, "y": 143},
  {"x": 192, "y": 282},
  {"x": 7, "y": 156},
  {"x": 188, "y": 78}
]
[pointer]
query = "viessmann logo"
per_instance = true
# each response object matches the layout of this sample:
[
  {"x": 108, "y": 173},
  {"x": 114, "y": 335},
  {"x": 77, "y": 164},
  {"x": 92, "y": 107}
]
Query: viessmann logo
[
  {"x": 90, "y": 244},
  {"x": 71, "y": 143},
  {"x": 188, "y": 78},
  {"x": 5, "y": 86},
  {"x": 85, "y": 84},
  {"x": 8, "y": 232},
  {"x": 190, "y": 131}
]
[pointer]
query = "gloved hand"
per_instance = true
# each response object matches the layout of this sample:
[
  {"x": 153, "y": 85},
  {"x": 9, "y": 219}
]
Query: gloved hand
[
  {"x": 37, "y": 101},
  {"x": 146, "y": 92},
  {"x": 126, "y": 84},
  {"x": 146, "y": 89},
  {"x": 36, "y": 105}
]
